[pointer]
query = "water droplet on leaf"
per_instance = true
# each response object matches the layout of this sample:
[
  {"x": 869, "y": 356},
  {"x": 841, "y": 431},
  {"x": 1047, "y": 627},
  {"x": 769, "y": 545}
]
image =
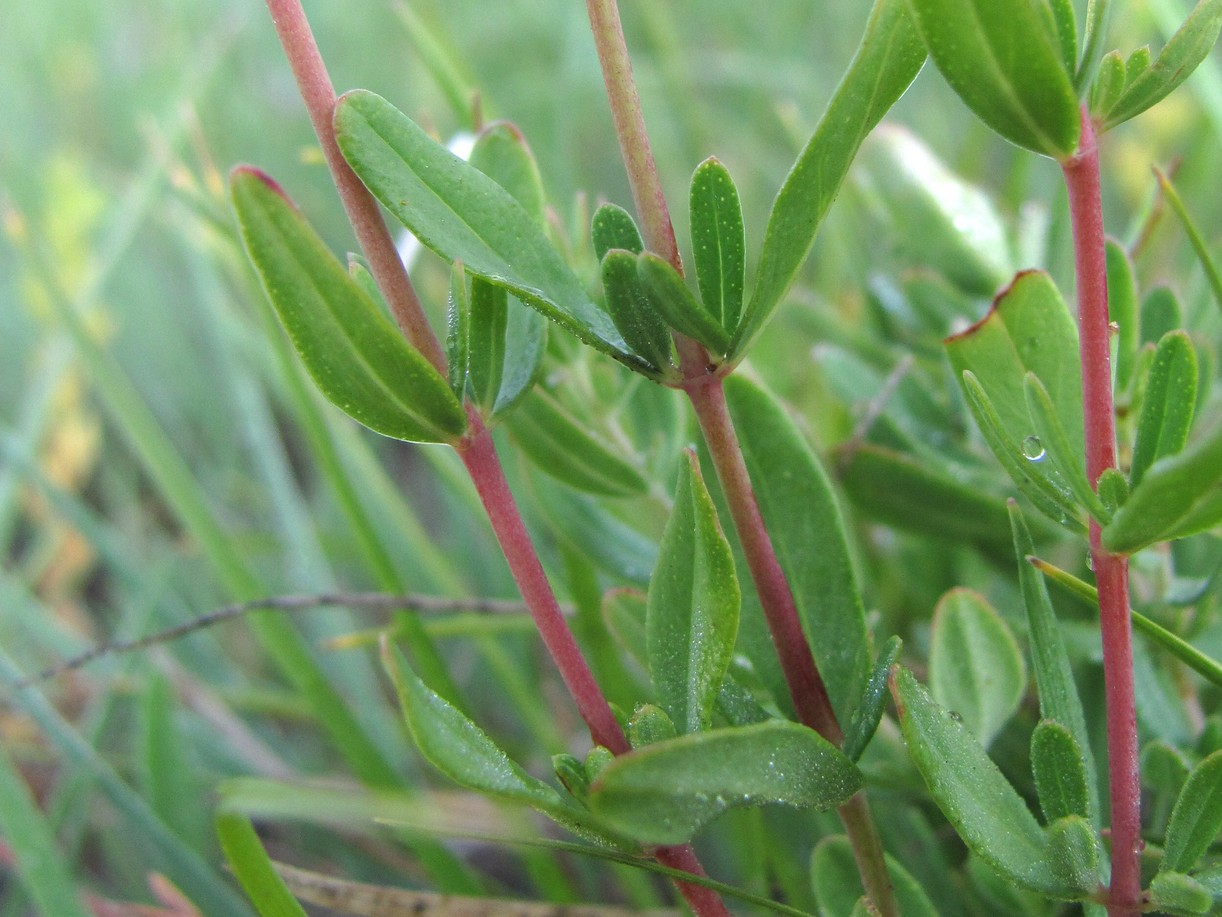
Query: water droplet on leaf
[{"x": 1033, "y": 448}]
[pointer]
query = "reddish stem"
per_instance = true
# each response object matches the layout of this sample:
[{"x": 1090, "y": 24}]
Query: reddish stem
[
  {"x": 1082, "y": 179},
  {"x": 362, "y": 209},
  {"x": 479, "y": 455}
]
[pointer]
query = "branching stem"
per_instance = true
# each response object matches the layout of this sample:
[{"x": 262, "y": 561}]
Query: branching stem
[{"x": 1111, "y": 571}]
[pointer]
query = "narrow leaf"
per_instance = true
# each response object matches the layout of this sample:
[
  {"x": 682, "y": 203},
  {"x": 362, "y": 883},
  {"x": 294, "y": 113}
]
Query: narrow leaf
[
  {"x": 1178, "y": 893},
  {"x": 456, "y": 746},
  {"x": 356, "y": 356},
  {"x": 1073, "y": 851},
  {"x": 1060, "y": 771},
  {"x": 1168, "y": 405},
  {"x": 614, "y": 227},
  {"x": 677, "y": 304},
  {"x": 1180, "y": 495},
  {"x": 694, "y": 602},
  {"x": 250, "y": 863},
  {"x": 975, "y": 667},
  {"x": 803, "y": 518},
  {"x": 1196, "y": 818},
  {"x": 1199, "y": 245},
  {"x": 1175, "y": 63},
  {"x": 1055, "y": 442},
  {"x": 1123, "y": 310},
  {"x": 1098, "y": 12},
  {"x": 1024, "y": 463},
  {"x": 486, "y": 327},
  {"x": 664, "y": 793},
  {"x": 501, "y": 152},
  {"x": 1108, "y": 85},
  {"x": 1058, "y": 694},
  {"x": 718, "y": 242},
  {"x": 458, "y": 319},
  {"x": 1004, "y": 60},
  {"x": 463, "y": 215},
  {"x": 633, "y": 312},
  {"x": 1066, "y": 32},
  {"x": 869, "y": 711},
  {"x": 887, "y": 60},
  {"x": 985, "y": 810}
]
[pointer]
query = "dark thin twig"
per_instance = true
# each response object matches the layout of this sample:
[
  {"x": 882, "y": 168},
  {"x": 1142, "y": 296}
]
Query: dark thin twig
[{"x": 365, "y": 601}]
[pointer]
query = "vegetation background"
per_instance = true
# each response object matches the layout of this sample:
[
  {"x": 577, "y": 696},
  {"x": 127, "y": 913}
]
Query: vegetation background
[{"x": 120, "y": 294}]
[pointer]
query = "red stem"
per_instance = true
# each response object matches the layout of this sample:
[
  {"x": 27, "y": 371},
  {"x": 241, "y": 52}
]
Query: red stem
[
  {"x": 1082, "y": 179},
  {"x": 479, "y": 455},
  {"x": 384, "y": 263}
]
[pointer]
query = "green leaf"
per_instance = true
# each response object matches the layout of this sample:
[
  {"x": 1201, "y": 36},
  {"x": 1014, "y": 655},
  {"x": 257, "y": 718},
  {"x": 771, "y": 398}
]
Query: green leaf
[
  {"x": 1168, "y": 405},
  {"x": 1028, "y": 329},
  {"x": 501, "y": 152},
  {"x": 1196, "y": 818},
  {"x": 1060, "y": 771},
  {"x": 649, "y": 724},
  {"x": 1108, "y": 85},
  {"x": 887, "y": 60},
  {"x": 940, "y": 220},
  {"x": 358, "y": 358},
  {"x": 1178, "y": 893},
  {"x": 458, "y": 317},
  {"x": 718, "y": 242},
  {"x": 869, "y": 711},
  {"x": 914, "y": 496},
  {"x": 633, "y": 312},
  {"x": 486, "y": 327},
  {"x": 562, "y": 446},
  {"x": 1073, "y": 850},
  {"x": 1160, "y": 312},
  {"x": 677, "y": 305},
  {"x": 1122, "y": 307},
  {"x": 456, "y": 746},
  {"x": 1054, "y": 441},
  {"x": 1004, "y": 60},
  {"x": 614, "y": 227},
  {"x": 985, "y": 810},
  {"x": 1036, "y": 479},
  {"x": 837, "y": 884},
  {"x": 1175, "y": 63},
  {"x": 1199, "y": 245},
  {"x": 664, "y": 793},
  {"x": 693, "y": 606},
  {"x": 41, "y": 869},
  {"x": 808, "y": 532},
  {"x": 975, "y": 667},
  {"x": 253, "y": 867},
  {"x": 624, "y": 612},
  {"x": 460, "y": 213},
  {"x": 1097, "y": 14},
  {"x": 1180, "y": 495},
  {"x": 1066, "y": 31},
  {"x": 1058, "y": 694}
]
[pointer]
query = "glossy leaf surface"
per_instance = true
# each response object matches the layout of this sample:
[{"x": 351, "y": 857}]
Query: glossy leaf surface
[
  {"x": 463, "y": 215},
  {"x": 975, "y": 667},
  {"x": 1174, "y": 64},
  {"x": 804, "y": 520},
  {"x": 1055, "y": 443},
  {"x": 1197, "y": 817},
  {"x": 889, "y": 57},
  {"x": 1168, "y": 405},
  {"x": 985, "y": 809},
  {"x": 664, "y": 793},
  {"x": 1180, "y": 495},
  {"x": 1004, "y": 60},
  {"x": 693, "y": 606},
  {"x": 358, "y": 358},
  {"x": 718, "y": 242}
]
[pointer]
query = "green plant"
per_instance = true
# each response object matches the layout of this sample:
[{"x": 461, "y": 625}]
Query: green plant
[{"x": 745, "y": 681}]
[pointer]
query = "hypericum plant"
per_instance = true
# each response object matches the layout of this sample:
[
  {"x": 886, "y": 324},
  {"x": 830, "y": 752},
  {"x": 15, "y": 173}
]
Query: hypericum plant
[{"x": 713, "y": 733}]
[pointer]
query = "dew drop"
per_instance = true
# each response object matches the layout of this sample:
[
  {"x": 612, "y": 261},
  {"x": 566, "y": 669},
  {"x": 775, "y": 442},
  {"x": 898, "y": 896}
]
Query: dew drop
[{"x": 1033, "y": 449}]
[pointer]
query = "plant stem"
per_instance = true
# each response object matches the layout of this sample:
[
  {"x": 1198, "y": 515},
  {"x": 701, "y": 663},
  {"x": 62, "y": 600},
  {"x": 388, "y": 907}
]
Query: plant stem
[
  {"x": 479, "y": 455},
  {"x": 703, "y": 387},
  {"x": 384, "y": 263},
  {"x": 1111, "y": 570}
]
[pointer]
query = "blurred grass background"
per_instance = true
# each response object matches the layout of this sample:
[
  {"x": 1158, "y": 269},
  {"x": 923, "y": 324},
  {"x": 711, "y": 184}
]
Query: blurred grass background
[{"x": 120, "y": 294}]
